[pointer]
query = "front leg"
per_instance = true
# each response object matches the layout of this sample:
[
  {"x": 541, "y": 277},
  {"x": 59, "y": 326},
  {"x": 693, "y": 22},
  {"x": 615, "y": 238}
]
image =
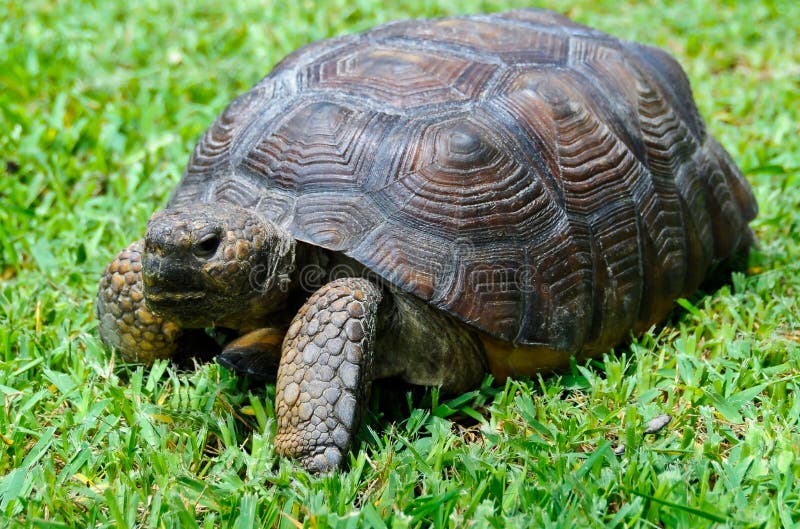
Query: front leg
[
  {"x": 125, "y": 323},
  {"x": 325, "y": 373}
]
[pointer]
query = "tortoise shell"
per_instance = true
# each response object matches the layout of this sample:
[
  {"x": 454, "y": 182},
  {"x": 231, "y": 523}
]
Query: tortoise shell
[{"x": 542, "y": 181}]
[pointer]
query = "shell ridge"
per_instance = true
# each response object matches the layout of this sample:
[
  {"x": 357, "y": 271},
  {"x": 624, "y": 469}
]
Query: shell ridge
[
  {"x": 597, "y": 190},
  {"x": 671, "y": 151}
]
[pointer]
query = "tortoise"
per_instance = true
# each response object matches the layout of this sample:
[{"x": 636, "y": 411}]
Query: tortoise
[{"x": 432, "y": 200}]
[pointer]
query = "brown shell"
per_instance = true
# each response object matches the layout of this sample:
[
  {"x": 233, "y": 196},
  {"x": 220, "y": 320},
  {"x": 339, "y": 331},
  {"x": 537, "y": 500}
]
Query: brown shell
[{"x": 540, "y": 180}]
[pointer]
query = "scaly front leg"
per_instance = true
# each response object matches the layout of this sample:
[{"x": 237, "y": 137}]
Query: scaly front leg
[
  {"x": 125, "y": 323},
  {"x": 325, "y": 373}
]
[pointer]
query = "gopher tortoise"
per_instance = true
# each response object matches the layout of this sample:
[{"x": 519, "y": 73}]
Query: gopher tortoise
[{"x": 432, "y": 200}]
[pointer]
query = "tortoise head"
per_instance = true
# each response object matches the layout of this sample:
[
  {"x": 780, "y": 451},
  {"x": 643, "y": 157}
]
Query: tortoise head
[{"x": 215, "y": 264}]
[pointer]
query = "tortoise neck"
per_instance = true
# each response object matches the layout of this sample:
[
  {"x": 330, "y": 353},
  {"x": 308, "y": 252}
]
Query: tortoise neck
[{"x": 316, "y": 266}]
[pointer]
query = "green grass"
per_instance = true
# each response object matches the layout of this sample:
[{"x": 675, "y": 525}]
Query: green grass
[{"x": 100, "y": 105}]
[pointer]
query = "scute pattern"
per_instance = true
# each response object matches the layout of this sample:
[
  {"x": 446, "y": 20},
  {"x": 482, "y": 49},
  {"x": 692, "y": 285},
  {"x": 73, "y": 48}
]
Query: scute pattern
[
  {"x": 598, "y": 175},
  {"x": 540, "y": 180},
  {"x": 507, "y": 43},
  {"x": 400, "y": 77},
  {"x": 671, "y": 151},
  {"x": 323, "y": 145}
]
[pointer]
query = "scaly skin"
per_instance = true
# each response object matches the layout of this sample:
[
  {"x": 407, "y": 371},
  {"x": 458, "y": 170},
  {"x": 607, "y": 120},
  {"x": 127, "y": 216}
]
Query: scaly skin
[
  {"x": 125, "y": 323},
  {"x": 325, "y": 373}
]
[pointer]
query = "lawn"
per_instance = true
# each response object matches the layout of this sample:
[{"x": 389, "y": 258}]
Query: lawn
[{"x": 100, "y": 105}]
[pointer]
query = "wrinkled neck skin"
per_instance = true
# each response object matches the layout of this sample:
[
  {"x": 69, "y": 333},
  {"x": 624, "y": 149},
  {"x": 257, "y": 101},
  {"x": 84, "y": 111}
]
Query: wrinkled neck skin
[
  {"x": 313, "y": 267},
  {"x": 278, "y": 291}
]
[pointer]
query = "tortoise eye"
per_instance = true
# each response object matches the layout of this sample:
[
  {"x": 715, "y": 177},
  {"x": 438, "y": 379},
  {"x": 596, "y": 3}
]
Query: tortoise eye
[{"x": 207, "y": 246}]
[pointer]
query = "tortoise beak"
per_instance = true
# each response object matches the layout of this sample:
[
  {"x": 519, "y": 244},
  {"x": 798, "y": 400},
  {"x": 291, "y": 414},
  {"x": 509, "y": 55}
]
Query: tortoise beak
[{"x": 168, "y": 282}]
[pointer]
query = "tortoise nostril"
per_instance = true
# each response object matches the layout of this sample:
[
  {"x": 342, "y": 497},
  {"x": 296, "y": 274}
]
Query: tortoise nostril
[
  {"x": 207, "y": 246},
  {"x": 152, "y": 247}
]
